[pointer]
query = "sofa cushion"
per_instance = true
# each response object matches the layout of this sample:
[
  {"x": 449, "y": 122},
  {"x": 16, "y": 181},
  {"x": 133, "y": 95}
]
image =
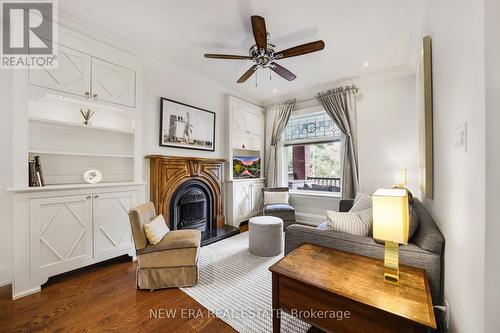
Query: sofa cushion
[
  {"x": 354, "y": 223},
  {"x": 362, "y": 202},
  {"x": 284, "y": 212},
  {"x": 427, "y": 236}
]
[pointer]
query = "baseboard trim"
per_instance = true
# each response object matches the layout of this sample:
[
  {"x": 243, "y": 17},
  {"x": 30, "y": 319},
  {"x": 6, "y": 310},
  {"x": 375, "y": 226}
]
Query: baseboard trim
[
  {"x": 26, "y": 293},
  {"x": 5, "y": 283}
]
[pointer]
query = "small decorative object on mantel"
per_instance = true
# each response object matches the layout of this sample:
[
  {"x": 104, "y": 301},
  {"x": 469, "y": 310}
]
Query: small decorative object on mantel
[
  {"x": 92, "y": 176},
  {"x": 87, "y": 115},
  {"x": 186, "y": 126}
]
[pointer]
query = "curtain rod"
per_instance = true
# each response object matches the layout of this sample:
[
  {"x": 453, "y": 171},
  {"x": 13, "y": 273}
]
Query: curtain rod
[
  {"x": 313, "y": 98},
  {"x": 296, "y": 102}
]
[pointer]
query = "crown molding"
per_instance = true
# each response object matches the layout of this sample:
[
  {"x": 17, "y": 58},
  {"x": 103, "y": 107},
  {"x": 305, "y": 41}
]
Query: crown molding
[{"x": 362, "y": 80}]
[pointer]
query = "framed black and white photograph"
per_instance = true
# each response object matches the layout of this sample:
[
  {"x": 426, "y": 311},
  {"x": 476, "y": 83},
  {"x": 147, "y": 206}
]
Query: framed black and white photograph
[{"x": 186, "y": 126}]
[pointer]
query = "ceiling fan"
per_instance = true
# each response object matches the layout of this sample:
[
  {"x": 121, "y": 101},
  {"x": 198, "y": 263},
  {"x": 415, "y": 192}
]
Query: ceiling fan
[{"x": 264, "y": 54}]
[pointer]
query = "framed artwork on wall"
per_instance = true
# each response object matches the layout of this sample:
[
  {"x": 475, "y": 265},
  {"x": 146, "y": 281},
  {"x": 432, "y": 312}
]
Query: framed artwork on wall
[
  {"x": 426, "y": 148},
  {"x": 186, "y": 126}
]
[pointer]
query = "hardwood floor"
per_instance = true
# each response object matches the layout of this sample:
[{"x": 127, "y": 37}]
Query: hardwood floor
[{"x": 104, "y": 298}]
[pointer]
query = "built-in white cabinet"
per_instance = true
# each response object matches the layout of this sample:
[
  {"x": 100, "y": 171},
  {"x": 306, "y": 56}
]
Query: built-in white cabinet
[
  {"x": 87, "y": 76},
  {"x": 245, "y": 200},
  {"x": 246, "y": 140},
  {"x": 112, "y": 83},
  {"x": 111, "y": 224},
  {"x": 247, "y": 128},
  {"x": 72, "y": 75},
  {"x": 60, "y": 233},
  {"x": 60, "y": 230}
]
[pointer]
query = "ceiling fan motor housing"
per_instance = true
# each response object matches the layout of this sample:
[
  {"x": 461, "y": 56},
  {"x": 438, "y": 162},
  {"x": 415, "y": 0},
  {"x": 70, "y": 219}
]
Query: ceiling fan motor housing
[{"x": 263, "y": 58}]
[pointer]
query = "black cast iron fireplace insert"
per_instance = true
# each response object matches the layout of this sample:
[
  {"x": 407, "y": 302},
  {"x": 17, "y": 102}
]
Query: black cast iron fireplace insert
[{"x": 191, "y": 207}]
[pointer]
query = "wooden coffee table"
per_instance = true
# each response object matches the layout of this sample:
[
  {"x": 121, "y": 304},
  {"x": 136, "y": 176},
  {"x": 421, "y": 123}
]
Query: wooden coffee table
[{"x": 341, "y": 292}]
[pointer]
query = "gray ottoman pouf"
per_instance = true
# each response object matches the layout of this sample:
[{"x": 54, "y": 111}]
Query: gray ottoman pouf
[{"x": 265, "y": 236}]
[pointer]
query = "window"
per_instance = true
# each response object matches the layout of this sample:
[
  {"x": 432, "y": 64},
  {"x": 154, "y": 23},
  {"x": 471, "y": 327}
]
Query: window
[{"x": 313, "y": 148}]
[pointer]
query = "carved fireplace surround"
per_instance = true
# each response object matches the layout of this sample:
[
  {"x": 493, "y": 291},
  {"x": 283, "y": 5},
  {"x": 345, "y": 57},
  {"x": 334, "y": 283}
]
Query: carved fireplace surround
[{"x": 169, "y": 175}]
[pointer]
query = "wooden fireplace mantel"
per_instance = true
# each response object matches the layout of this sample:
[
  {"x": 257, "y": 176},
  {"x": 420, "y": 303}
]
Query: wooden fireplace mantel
[{"x": 168, "y": 173}]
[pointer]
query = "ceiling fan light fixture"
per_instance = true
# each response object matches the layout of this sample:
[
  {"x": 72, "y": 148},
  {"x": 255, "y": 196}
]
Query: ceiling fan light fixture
[{"x": 264, "y": 54}]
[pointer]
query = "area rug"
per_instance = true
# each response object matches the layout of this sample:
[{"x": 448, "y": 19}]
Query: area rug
[{"x": 236, "y": 287}]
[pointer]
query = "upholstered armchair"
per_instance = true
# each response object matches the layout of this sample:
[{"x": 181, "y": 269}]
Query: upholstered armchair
[
  {"x": 282, "y": 210},
  {"x": 173, "y": 262}
]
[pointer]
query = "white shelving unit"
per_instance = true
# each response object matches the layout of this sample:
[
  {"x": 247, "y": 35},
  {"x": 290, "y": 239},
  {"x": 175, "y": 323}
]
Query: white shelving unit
[
  {"x": 77, "y": 125},
  {"x": 68, "y": 153},
  {"x": 246, "y": 139},
  {"x": 91, "y": 218}
]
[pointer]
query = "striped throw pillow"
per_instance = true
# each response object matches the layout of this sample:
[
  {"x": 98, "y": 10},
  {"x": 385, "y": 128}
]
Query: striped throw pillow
[
  {"x": 156, "y": 230},
  {"x": 362, "y": 202},
  {"x": 354, "y": 223},
  {"x": 273, "y": 198}
]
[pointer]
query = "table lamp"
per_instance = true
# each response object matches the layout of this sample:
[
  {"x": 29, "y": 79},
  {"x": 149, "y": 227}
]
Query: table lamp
[{"x": 390, "y": 224}]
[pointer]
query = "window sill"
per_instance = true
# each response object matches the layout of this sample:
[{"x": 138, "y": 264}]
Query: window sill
[{"x": 316, "y": 194}]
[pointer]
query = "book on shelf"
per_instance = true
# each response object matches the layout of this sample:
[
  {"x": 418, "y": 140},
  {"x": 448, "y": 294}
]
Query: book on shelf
[
  {"x": 38, "y": 169},
  {"x": 35, "y": 176}
]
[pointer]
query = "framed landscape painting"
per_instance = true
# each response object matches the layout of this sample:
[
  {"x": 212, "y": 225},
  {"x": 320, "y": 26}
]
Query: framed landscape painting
[{"x": 186, "y": 126}]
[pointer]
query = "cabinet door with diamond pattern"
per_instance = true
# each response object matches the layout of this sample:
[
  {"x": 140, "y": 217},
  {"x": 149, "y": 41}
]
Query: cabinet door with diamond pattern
[
  {"x": 112, "y": 83},
  {"x": 61, "y": 233},
  {"x": 112, "y": 234},
  {"x": 72, "y": 74}
]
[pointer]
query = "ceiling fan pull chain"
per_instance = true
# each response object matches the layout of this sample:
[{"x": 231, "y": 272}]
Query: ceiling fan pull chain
[
  {"x": 256, "y": 72},
  {"x": 270, "y": 74}
]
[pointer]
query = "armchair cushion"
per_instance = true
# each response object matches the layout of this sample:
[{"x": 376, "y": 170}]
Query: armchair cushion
[
  {"x": 176, "y": 239},
  {"x": 156, "y": 229},
  {"x": 283, "y": 211}
]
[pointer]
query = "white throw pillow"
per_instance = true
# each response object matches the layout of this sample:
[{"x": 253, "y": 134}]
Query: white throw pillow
[
  {"x": 354, "y": 223},
  {"x": 156, "y": 230},
  {"x": 273, "y": 198},
  {"x": 362, "y": 202}
]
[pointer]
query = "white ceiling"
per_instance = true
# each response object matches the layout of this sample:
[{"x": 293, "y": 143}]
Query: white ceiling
[{"x": 378, "y": 32}]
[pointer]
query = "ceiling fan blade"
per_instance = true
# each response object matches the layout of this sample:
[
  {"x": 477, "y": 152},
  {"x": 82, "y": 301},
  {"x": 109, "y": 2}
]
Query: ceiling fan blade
[
  {"x": 259, "y": 31},
  {"x": 247, "y": 74},
  {"x": 227, "y": 56},
  {"x": 301, "y": 49},
  {"x": 283, "y": 72}
]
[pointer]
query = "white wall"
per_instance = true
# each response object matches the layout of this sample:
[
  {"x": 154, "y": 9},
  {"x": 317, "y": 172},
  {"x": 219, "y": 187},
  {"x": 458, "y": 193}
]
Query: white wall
[
  {"x": 492, "y": 290},
  {"x": 457, "y": 30},
  {"x": 163, "y": 80},
  {"x": 387, "y": 134},
  {"x": 6, "y": 231}
]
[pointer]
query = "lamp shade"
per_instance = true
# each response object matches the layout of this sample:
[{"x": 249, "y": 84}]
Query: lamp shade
[{"x": 391, "y": 215}]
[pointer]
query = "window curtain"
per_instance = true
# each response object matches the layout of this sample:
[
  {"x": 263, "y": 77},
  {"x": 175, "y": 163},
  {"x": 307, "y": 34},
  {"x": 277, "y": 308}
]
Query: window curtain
[
  {"x": 340, "y": 103},
  {"x": 282, "y": 114}
]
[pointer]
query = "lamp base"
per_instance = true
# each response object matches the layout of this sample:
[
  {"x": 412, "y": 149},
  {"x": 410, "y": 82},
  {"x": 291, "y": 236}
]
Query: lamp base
[{"x": 391, "y": 262}]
